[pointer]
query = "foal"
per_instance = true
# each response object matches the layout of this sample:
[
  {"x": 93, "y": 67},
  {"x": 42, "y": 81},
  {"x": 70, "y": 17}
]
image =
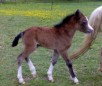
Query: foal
[{"x": 57, "y": 38}]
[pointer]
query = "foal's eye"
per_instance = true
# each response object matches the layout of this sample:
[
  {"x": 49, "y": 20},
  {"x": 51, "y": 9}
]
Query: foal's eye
[{"x": 84, "y": 23}]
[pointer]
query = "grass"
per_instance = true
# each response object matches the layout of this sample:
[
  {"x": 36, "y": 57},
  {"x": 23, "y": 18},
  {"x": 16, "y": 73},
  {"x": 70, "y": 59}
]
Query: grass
[{"x": 14, "y": 18}]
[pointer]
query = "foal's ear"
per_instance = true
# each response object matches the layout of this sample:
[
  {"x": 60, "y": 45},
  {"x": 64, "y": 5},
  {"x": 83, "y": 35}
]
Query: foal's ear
[{"x": 77, "y": 14}]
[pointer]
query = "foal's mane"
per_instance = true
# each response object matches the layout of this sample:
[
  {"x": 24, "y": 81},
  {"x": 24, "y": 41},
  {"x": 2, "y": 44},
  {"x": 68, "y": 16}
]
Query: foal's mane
[{"x": 64, "y": 21}]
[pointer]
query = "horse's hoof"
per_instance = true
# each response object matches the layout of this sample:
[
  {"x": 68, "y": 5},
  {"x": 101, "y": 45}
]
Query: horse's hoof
[{"x": 51, "y": 80}]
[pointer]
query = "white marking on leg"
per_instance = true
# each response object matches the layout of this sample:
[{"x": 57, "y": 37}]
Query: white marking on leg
[
  {"x": 19, "y": 75},
  {"x": 32, "y": 68},
  {"x": 50, "y": 70},
  {"x": 76, "y": 81}
]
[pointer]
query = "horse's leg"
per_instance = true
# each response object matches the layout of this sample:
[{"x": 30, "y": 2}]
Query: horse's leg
[
  {"x": 100, "y": 66},
  {"x": 69, "y": 65},
  {"x": 19, "y": 75},
  {"x": 53, "y": 62},
  {"x": 31, "y": 67},
  {"x": 26, "y": 52}
]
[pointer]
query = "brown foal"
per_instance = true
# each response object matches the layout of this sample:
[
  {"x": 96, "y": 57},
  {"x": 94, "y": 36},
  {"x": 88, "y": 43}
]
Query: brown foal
[{"x": 57, "y": 38}]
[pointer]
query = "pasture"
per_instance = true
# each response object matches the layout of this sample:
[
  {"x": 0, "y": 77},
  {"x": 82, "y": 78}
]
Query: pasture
[{"x": 15, "y": 18}]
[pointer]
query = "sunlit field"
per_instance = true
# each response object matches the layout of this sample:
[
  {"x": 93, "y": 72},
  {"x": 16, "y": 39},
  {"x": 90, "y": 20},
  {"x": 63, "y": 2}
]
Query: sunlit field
[{"x": 17, "y": 17}]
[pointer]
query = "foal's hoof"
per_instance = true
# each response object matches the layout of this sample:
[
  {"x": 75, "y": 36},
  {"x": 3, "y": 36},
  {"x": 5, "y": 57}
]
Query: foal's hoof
[
  {"x": 76, "y": 81},
  {"x": 33, "y": 75},
  {"x": 21, "y": 82},
  {"x": 51, "y": 80}
]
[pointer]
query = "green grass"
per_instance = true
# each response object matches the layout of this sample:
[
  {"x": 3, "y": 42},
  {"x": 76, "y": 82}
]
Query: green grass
[{"x": 10, "y": 25}]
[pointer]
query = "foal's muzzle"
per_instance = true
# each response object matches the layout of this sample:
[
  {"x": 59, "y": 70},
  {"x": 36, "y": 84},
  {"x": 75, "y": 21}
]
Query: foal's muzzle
[{"x": 90, "y": 29}]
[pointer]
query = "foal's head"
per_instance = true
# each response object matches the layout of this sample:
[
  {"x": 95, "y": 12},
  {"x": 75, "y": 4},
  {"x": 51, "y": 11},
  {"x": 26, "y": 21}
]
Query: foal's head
[
  {"x": 76, "y": 21},
  {"x": 82, "y": 23}
]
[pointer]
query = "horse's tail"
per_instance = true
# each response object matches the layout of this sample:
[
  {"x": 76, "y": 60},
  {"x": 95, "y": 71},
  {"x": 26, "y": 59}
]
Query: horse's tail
[
  {"x": 95, "y": 21},
  {"x": 16, "y": 39}
]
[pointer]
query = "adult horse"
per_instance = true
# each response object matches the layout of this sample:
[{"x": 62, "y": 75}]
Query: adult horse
[
  {"x": 57, "y": 38},
  {"x": 95, "y": 21}
]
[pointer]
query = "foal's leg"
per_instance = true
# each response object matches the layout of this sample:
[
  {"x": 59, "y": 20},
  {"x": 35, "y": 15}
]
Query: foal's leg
[
  {"x": 31, "y": 67},
  {"x": 26, "y": 52},
  {"x": 19, "y": 75},
  {"x": 69, "y": 65},
  {"x": 53, "y": 62}
]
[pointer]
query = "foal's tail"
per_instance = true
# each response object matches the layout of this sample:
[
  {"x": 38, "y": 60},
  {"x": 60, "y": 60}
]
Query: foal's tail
[
  {"x": 95, "y": 21},
  {"x": 15, "y": 41}
]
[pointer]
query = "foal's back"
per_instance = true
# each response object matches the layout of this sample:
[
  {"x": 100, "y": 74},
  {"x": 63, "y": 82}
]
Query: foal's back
[
  {"x": 51, "y": 38},
  {"x": 44, "y": 36}
]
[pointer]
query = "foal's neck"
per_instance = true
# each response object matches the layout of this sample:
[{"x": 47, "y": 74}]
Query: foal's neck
[
  {"x": 71, "y": 32},
  {"x": 68, "y": 30}
]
